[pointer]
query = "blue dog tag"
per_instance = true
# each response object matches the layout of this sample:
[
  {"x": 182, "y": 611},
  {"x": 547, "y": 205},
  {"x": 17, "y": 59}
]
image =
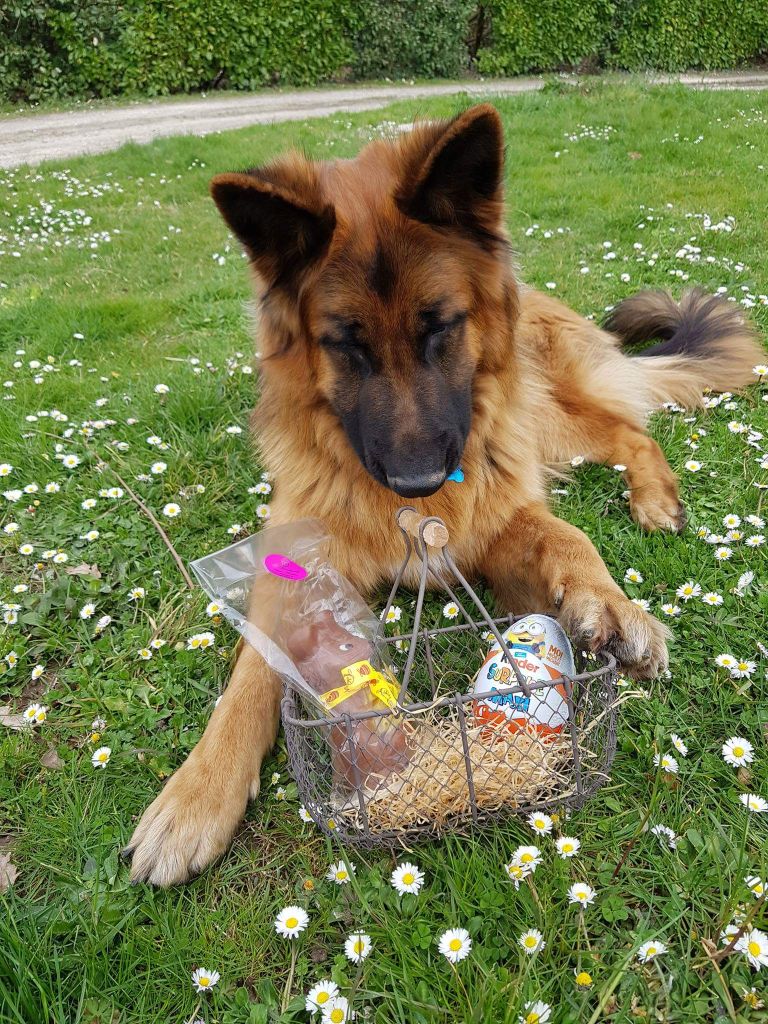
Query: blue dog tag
[{"x": 457, "y": 475}]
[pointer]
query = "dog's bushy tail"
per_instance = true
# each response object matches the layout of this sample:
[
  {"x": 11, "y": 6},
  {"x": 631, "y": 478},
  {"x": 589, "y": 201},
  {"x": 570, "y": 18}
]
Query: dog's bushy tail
[{"x": 706, "y": 344}]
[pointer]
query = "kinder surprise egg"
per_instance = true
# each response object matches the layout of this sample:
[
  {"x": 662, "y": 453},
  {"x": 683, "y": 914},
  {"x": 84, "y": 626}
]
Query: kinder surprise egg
[{"x": 542, "y": 652}]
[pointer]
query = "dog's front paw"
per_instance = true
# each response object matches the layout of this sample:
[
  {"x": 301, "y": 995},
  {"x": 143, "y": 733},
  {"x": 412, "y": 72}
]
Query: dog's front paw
[
  {"x": 603, "y": 618},
  {"x": 658, "y": 509},
  {"x": 188, "y": 826}
]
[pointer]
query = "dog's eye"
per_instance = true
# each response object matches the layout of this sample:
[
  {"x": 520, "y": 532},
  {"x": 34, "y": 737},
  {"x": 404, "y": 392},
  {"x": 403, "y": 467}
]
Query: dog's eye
[
  {"x": 356, "y": 353},
  {"x": 438, "y": 335}
]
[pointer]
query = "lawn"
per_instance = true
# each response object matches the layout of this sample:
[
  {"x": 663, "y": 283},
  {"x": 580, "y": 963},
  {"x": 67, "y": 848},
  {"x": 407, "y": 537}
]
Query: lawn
[{"x": 116, "y": 276}]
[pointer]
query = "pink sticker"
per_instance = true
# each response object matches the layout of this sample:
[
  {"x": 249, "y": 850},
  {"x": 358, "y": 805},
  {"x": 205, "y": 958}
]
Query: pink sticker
[{"x": 279, "y": 565}]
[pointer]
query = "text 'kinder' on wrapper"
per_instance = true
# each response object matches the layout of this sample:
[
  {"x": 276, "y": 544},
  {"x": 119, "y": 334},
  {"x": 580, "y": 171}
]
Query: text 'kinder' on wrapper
[{"x": 542, "y": 653}]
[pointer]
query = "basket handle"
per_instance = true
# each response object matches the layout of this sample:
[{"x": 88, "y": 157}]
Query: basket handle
[{"x": 435, "y": 532}]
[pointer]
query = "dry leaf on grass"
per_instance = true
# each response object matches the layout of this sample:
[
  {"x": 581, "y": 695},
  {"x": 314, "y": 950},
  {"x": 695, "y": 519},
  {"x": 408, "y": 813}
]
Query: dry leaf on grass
[
  {"x": 10, "y": 721},
  {"x": 8, "y": 871},
  {"x": 84, "y": 570},
  {"x": 51, "y": 759}
]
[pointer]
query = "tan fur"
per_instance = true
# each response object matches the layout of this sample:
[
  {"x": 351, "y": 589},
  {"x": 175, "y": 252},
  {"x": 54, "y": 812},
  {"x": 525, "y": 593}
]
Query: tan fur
[{"x": 547, "y": 385}]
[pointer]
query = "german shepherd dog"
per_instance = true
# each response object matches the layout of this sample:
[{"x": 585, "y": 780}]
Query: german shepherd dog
[{"x": 396, "y": 344}]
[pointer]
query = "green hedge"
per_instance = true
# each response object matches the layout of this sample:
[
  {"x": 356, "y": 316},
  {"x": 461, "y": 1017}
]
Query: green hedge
[{"x": 85, "y": 48}]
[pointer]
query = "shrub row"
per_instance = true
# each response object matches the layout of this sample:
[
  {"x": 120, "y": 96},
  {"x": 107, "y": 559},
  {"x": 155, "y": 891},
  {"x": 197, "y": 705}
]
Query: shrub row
[{"x": 86, "y": 48}]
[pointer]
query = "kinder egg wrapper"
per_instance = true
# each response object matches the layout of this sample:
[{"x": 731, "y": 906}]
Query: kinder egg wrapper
[{"x": 543, "y": 653}]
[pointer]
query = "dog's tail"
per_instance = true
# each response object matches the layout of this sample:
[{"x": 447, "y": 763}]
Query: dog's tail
[{"x": 706, "y": 344}]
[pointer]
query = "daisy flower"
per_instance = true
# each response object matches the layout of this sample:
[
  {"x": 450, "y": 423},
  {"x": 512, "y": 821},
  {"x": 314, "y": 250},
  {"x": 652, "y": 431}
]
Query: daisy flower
[
  {"x": 688, "y": 590},
  {"x": 91, "y": 535},
  {"x": 261, "y": 488},
  {"x": 650, "y": 949},
  {"x": 212, "y": 608},
  {"x": 760, "y": 370},
  {"x": 541, "y": 823},
  {"x": 737, "y": 752},
  {"x": 726, "y": 661},
  {"x": 516, "y": 872},
  {"x": 754, "y": 803},
  {"x": 262, "y": 512},
  {"x": 319, "y": 995},
  {"x": 673, "y": 610},
  {"x": 340, "y": 873},
  {"x": 731, "y": 521},
  {"x": 145, "y": 654},
  {"x": 26, "y": 549},
  {"x": 642, "y": 602},
  {"x": 723, "y": 554},
  {"x": 291, "y": 921},
  {"x": 136, "y": 593},
  {"x": 37, "y": 671},
  {"x": 567, "y": 846},
  {"x": 10, "y": 528},
  {"x": 755, "y": 885},
  {"x": 89, "y": 503},
  {"x": 199, "y": 641},
  {"x": 336, "y": 1011},
  {"x": 102, "y": 624},
  {"x": 87, "y": 611},
  {"x": 532, "y": 941},
  {"x": 581, "y": 893},
  {"x": 755, "y": 541},
  {"x": 755, "y": 521},
  {"x": 407, "y": 878},
  {"x": 536, "y": 1013},
  {"x": 393, "y": 613},
  {"x": 679, "y": 745},
  {"x": 357, "y": 947},
  {"x": 161, "y": 389},
  {"x": 754, "y": 945},
  {"x": 693, "y": 466},
  {"x": 203, "y": 979},
  {"x": 743, "y": 669},
  {"x": 305, "y": 815},
  {"x": 633, "y": 576},
  {"x": 171, "y": 510},
  {"x": 70, "y": 461},
  {"x": 5, "y": 469},
  {"x": 451, "y": 610},
  {"x": 528, "y": 857},
  {"x": 455, "y": 944},
  {"x": 712, "y": 598},
  {"x": 35, "y": 714},
  {"x": 100, "y": 758},
  {"x": 666, "y": 834},
  {"x": 11, "y": 659},
  {"x": 667, "y": 762}
]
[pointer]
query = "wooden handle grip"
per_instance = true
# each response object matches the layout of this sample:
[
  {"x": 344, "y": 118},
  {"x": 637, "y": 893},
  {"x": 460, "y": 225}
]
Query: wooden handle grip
[{"x": 435, "y": 534}]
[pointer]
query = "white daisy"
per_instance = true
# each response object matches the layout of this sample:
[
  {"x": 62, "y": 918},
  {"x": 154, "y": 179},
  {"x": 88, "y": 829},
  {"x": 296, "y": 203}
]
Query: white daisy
[
  {"x": 532, "y": 941},
  {"x": 688, "y": 590},
  {"x": 679, "y": 745},
  {"x": 319, "y": 995},
  {"x": 528, "y": 857},
  {"x": 305, "y": 815},
  {"x": 667, "y": 762},
  {"x": 86, "y": 612},
  {"x": 204, "y": 979},
  {"x": 394, "y": 613},
  {"x": 738, "y": 752},
  {"x": 291, "y": 921},
  {"x": 754, "y": 802},
  {"x": 262, "y": 512},
  {"x": 581, "y": 893},
  {"x": 567, "y": 846},
  {"x": 673, "y": 610},
  {"x": 755, "y": 541},
  {"x": 666, "y": 834},
  {"x": 100, "y": 758},
  {"x": 407, "y": 878},
  {"x": 37, "y": 671},
  {"x": 755, "y": 885},
  {"x": 633, "y": 576},
  {"x": 726, "y": 661},
  {"x": 723, "y": 554},
  {"x": 357, "y": 947},
  {"x": 171, "y": 510},
  {"x": 650, "y": 949},
  {"x": 340, "y": 873},
  {"x": 731, "y": 521},
  {"x": 336, "y": 1011},
  {"x": 455, "y": 944},
  {"x": 35, "y": 714},
  {"x": 754, "y": 945},
  {"x": 535, "y": 1013},
  {"x": 136, "y": 593},
  {"x": 743, "y": 669},
  {"x": 712, "y": 598},
  {"x": 541, "y": 823},
  {"x": 451, "y": 610},
  {"x": 693, "y": 466}
]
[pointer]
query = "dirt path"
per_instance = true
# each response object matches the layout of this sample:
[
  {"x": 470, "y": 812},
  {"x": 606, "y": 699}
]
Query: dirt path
[{"x": 37, "y": 137}]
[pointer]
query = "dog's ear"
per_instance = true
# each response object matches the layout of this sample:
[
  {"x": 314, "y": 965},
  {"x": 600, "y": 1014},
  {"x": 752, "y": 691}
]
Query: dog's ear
[
  {"x": 454, "y": 172},
  {"x": 284, "y": 227}
]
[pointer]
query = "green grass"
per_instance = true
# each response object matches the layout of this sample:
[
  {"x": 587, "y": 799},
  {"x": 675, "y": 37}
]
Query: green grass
[{"x": 78, "y": 944}]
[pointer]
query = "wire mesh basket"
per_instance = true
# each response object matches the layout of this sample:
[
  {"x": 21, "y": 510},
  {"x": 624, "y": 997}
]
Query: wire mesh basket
[{"x": 432, "y": 763}]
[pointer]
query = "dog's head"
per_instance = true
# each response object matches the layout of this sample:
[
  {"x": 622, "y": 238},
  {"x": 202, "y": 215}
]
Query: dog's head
[{"x": 387, "y": 272}]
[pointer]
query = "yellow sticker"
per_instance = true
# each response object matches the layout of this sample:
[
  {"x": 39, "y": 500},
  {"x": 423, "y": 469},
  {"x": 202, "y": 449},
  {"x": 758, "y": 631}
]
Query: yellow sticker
[{"x": 356, "y": 677}]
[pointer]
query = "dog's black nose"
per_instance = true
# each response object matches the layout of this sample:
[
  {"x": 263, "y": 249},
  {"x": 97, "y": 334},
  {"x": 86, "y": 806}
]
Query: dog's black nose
[{"x": 417, "y": 485}]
